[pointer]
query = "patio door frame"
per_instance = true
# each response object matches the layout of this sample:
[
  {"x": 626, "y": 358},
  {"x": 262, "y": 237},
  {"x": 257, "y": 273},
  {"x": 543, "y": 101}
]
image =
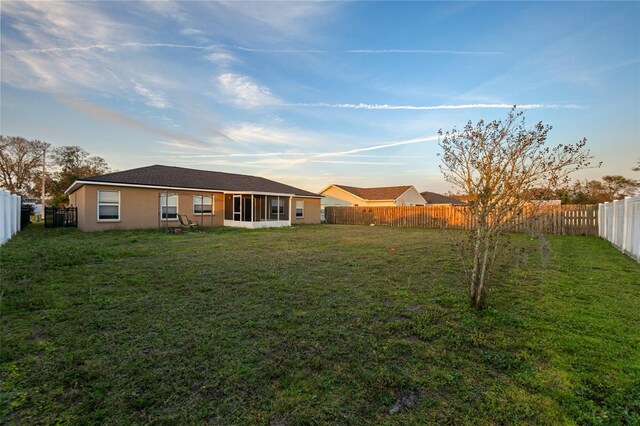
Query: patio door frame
[{"x": 239, "y": 205}]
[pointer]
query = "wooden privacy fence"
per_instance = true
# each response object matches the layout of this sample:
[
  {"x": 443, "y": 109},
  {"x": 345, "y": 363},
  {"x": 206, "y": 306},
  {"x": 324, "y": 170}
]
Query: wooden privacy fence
[{"x": 565, "y": 220}]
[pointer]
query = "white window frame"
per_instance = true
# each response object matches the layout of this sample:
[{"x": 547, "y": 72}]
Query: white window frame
[
  {"x": 198, "y": 204},
  {"x": 107, "y": 204},
  {"x": 170, "y": 219},
  {"x": 279, "y": 205},
  {"x": 302, "y": 208}
]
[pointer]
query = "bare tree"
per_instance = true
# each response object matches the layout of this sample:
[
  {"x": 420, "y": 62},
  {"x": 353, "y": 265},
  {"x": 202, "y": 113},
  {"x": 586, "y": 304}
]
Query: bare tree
[
  {"x": 20, "y": 162},
  {"x": 499, "y": 166}
]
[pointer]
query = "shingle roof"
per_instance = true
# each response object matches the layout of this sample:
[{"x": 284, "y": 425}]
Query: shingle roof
[
  {"x": 433, "y": 198},
  {"x": 179, "y": 177},
  {"x": 380, "y": 193}
]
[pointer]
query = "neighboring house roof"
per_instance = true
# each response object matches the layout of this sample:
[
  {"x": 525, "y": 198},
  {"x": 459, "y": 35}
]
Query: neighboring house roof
[
  {"x": 380, "y": 193},
  {"x": 433, "y": 198},
  {"x": 179, "y": 177}
]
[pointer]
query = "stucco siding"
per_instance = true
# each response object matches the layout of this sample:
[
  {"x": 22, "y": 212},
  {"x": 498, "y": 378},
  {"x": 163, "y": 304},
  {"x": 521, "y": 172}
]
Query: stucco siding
[
  {"x": 311, "y": 211},
  {"x": 75, "y": 200},
  {"x": 139, "y": 208}
]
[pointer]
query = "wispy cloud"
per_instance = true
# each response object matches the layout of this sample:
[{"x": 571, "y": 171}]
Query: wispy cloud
[
  {"x": 64, "y": 49},
  {"x": 153, "y": 99},
  {"x": 73, "y": 48},
  {"x": 249, "y": 141},
  {"x": 280, "y": 160},
  {"x": 191, "y": 31},
  {"x": 181, "y": 154},
  {"x": 290, "y": 20},
  {"x": 233, "y": 165},
  {"x": 376, "y": 147},
  {"x": 222, "y": 59},
  {"x": 591, "y": 77},
  {"x": 258, "y": 50},
  {"x": 112, "y": 47},
  {"x": 372, "y": 163},
  {"x": 434, "y": 107},
  {"x": 136, "y": 44},
  {"x": 346, "y": 153},
  {"x": 243, "y": 92},
  {"x": 178, "y": 139},
  {"x": 427, "y": 51},
  {"x": 263, "y": 138}
]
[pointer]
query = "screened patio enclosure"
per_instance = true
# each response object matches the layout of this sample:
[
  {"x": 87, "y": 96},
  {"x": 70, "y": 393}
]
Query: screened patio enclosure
[
  {"x": 256, "y": 210},
  {"x": 196, "y": 206}
]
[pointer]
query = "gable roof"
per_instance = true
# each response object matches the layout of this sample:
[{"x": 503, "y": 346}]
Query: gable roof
[
  {"x": 179, "y": 177},
  {"x": 433, "y": 198},
  {"x": 379, "y": 193}
]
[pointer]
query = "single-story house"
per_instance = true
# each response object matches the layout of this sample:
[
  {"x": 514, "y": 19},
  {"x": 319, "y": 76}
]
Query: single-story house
[
  {"x": 342, "y": 195},
  {"x": 155, "y": 196},
  {"x": 431, "y": 198}
]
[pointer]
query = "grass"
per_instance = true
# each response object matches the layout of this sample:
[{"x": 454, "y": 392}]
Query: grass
[{"x": 312, "y": 325}]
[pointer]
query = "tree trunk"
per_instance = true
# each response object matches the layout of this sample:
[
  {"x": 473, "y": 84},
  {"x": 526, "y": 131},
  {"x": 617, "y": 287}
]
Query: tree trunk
[
  {"x": 480, "y": 291},
  {"x": 476, "y": 267},
  {"x": 482, "y": 260}
]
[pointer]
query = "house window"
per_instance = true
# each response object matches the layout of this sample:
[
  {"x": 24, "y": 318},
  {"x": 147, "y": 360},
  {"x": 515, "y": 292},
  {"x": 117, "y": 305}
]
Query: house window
[
  {"x": 169, "y": 206},
  {"x": 202, "y": 204},
  {"x": 277, "y": 206},
  {"x": 300, "y": 209},
  {"x": 108, "y": 205}
]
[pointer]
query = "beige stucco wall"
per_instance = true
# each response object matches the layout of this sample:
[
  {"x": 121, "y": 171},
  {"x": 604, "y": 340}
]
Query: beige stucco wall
[
  {"x": 139, "y": 208},
  {"x": 77, "y": 199},
  {"x": 311, "y": 211}
]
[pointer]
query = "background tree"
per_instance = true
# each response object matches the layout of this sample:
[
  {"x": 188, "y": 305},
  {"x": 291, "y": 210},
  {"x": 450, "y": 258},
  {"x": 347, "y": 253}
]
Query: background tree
[
  {"x": 618, "y": 187},
  {"x": 20, "y": 163},
  {"x": 498, "y": 165},
  {"x": 71, "y": 163},
  {"x": 608, "y": 189}
]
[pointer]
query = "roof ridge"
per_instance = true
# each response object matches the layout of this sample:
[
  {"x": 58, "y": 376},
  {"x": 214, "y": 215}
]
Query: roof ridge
[
  {"x": 376, "y": 193},
  {"x": 372, "y": 187},
  {"x": 202, "y": 170}
]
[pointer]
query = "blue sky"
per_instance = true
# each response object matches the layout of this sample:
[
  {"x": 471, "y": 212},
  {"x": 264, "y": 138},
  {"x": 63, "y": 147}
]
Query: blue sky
[{"x": 317, "y": 93}]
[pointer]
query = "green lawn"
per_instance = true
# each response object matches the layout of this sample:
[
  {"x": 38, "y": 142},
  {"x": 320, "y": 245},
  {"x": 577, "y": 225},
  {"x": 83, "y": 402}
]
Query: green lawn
[{"x": 312, "y": 325}]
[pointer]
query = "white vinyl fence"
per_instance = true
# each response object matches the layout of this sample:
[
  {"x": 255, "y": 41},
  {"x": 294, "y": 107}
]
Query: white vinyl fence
[
  {"x": 9, "y": 215},
  {"x": 620, "y": 223}
]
